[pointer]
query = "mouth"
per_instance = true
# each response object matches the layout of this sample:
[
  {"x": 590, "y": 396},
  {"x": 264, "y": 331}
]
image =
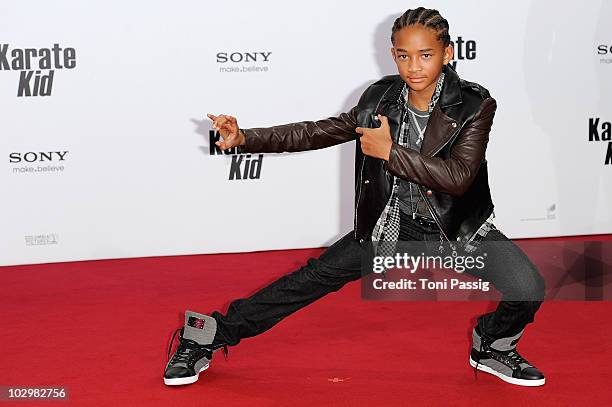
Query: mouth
[{"x": 416, "y": 80}]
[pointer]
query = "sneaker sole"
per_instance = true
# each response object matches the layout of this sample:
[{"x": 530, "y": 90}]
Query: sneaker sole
[
  {"x": 177, "y": 381},
  {"x": 511, "y": 380}
]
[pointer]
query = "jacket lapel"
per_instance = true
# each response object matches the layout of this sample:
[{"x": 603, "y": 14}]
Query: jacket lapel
[
  {"x": 440, "y": 127},
  {"x": 438, "y": 132},
  {"x": 389, "y": 107}
]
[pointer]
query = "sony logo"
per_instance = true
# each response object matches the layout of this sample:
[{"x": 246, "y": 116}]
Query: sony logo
[
  {"x": 32, "y": 156},
  {"x": 604, "y": 49},
  {"x": 224, "y": 57}
]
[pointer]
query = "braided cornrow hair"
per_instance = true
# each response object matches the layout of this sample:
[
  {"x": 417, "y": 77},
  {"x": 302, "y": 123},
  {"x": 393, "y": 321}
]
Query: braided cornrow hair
[{"x": 429, "y": 18}]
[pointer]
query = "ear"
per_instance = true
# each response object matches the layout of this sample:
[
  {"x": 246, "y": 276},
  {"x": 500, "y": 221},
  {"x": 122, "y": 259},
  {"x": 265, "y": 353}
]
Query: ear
[
  {"x": 449, "y": 52},
  {"x": 392, "y": 52}
]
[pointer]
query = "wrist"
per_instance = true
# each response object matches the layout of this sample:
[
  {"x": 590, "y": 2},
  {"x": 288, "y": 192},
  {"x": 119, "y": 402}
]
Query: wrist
[{"x": 388, "y": 151}]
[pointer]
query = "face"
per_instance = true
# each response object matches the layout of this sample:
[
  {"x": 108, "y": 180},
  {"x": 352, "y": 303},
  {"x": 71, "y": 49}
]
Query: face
[{"x": 419, "y": 56}]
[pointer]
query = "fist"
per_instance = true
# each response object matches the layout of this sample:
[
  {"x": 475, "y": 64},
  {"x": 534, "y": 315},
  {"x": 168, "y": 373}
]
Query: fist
[{"x": 228, "y": 129}]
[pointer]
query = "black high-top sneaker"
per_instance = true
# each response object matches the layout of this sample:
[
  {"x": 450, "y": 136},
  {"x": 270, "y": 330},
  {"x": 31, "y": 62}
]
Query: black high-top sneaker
[
  {"x": 500, "y": 358},
  {"x": 195, "y": 349}
]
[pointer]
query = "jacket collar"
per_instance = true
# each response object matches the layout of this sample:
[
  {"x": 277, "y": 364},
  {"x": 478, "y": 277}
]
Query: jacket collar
[{"x": 451, "y": 91}]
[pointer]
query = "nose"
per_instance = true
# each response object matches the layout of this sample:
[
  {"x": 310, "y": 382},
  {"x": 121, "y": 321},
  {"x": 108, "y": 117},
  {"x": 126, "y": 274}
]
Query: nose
[{"x": 414, "y": 65}]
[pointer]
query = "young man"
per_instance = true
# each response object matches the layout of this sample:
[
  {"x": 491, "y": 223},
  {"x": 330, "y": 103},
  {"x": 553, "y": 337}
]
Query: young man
[{"x": 421, "y": 174}]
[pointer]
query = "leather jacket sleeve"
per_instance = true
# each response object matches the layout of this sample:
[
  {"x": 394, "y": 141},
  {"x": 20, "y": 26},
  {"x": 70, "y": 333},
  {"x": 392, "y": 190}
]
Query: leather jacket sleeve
[
  {"x": 455, "y": 174},
  {"x": 301, "y": 136}
]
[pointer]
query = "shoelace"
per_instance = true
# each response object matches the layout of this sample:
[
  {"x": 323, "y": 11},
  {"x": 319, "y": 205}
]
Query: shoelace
[
  {"x": 478, "y": 361},
  {"x": 483, "y": 341},
  {"x": 514, "y": 358},
  {"x": 187, "y": 348}
]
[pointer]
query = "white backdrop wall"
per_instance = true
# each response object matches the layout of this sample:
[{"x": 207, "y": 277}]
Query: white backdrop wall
[{"x": 116, "y": 161}]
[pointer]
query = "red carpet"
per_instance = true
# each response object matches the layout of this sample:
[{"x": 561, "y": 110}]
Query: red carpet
[{"x": 101, "y": 329}]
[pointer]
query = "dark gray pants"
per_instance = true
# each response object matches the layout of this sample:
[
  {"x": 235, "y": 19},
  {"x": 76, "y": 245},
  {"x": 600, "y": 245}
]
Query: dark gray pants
[{"x": 508, "y": 270}]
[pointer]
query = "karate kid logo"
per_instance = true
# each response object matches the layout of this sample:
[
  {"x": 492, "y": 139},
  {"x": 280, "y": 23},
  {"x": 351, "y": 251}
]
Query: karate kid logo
[
  {"x": 600, "y": 130},
  {"x": 464, "y": 50},
  {"x": 36, "y": 67},
  {"x": 243, "y": 166}
]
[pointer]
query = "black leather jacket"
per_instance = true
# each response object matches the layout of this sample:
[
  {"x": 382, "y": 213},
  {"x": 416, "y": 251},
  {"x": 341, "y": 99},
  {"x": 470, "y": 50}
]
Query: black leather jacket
[{"x": 451, "y": 168}]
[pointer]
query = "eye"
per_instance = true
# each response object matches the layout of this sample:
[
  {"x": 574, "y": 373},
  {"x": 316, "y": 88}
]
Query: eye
[
  {"x": 426, "y": 56},
  {"x": 403, "y": 56}
]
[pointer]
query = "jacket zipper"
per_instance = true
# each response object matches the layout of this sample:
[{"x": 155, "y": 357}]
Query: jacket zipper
[
  {"x": 433, "y": 214},
  {"x": 359, "y": 193},
  {"x": 429, "y": 206}
]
